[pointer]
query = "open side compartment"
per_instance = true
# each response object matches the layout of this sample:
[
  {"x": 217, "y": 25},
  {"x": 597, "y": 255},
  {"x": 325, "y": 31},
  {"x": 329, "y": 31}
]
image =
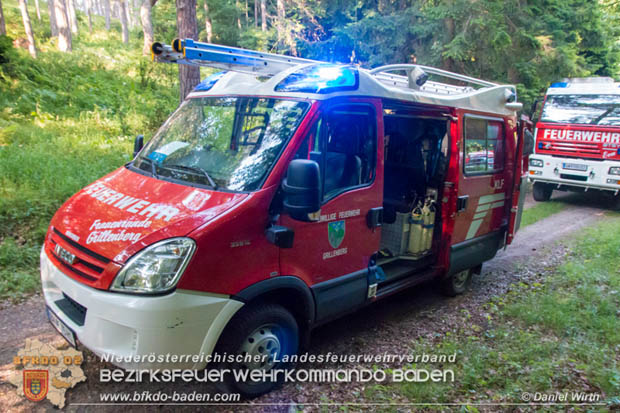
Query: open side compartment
[{"x": 415, "y": 159}]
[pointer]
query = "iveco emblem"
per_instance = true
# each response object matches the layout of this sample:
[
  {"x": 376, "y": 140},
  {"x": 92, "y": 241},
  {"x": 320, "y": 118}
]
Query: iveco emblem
[{"x": 64, "y": 255}]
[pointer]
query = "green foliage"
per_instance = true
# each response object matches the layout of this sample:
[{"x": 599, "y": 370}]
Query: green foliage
[
  {"x": 529, "y": 44},
  {"x": 66, "y": 119},
  {"x": 560, "y": 334}
]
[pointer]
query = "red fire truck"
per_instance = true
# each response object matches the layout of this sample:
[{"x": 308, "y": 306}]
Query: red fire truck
[
  {"x": 577, "y": 138},
  {"x": 280, "y": 195}
]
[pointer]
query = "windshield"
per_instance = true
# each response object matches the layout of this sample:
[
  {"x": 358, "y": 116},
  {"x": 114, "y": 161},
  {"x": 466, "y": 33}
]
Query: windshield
[
  {"x": 582, "y": 109},
  {"x": 225, "y": 143}
]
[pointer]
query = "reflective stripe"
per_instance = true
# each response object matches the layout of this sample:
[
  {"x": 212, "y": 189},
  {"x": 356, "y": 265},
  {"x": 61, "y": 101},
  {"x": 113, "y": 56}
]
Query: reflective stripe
[
  {"x": 483, "y": 207},
  {"x": 473, "y": 228},
  {"x": 480, "y": 215},
  {"x": 492, "y": 198},
  {"x": 485, "y": 204}
]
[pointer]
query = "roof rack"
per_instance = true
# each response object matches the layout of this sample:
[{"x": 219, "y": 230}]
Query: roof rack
[
  {"x": 190, "y": 52},
  {"x": 417, "y": 76}
]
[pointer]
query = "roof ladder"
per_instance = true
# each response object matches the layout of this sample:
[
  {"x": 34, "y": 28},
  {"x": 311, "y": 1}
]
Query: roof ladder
[{"x": 193, "y": 53}]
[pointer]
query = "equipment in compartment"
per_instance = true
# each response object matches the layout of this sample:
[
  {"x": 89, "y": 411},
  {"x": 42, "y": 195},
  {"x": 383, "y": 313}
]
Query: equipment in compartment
[
  {"x": 395, "y": 236},
  {"x": 414, "y": 165},
  {"x": 428, "y": 213},
  {"x": 415, "y": 231},
  {"x": 411, "y": 235}
]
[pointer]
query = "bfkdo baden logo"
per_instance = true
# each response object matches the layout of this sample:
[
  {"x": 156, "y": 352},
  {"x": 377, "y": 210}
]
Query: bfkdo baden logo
[
  {"x": 46, "y": 371},
  {"x": 36, "y": 384}
]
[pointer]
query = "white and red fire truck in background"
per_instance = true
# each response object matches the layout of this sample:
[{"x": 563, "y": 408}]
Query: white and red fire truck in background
[{"x": 577, "y": 138}]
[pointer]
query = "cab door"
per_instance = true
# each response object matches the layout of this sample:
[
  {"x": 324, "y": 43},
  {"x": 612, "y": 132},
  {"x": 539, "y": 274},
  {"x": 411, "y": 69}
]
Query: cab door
[
  {"x": 333, "y": 254},
  {"x": 482, "y": 187}
]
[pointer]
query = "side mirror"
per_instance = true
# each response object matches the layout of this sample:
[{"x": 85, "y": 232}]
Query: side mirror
[
  {"x": 528, "y": 143},
  {"x": 302, "y": 189},
  {"x": 138, "y": 143}
]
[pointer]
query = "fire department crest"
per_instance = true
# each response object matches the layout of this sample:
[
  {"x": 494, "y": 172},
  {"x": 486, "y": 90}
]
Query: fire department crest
[
  {"x": 35, "y": 384},
  {"x": 335, "y": 233}
]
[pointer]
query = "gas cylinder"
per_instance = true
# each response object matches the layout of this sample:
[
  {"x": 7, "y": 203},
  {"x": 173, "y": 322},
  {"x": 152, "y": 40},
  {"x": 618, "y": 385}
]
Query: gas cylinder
[
  {"x": 429, "y": 226},
  {"x": 415, "y": 231}
]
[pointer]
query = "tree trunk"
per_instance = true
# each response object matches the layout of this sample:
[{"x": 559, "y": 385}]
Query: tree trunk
[
  {"x": 2, "y": 24},
  {"x": 263, "y": 15},
  {"x": 280, "y": 21},
  {"x": 255, "y": 13},
  {"x": 147, "y": 25},
  {"x": 189, "y": 76},
  {"x": 208, "y": 23},
  {"x": 52, "y": 12},
  {"x": 72, "y": 15},
  {"x": 129, "y": 13},
  {"x": 123, "y": 15},
  {"x": 36, "y": 5},
  {"x": 89, "y": 13},
  {"x": 106, "y": 13},
  {"x": 238, "y": 15},
  {"x": 64, "y": 32},
  {"x": 28, "y": 28}
]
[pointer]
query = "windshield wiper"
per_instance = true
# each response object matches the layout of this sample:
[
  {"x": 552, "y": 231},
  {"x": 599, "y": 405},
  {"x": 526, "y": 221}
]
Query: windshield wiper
[
  {"x": 193, "y": 169},
  {"x": 153, "y": 167},
  {"x": 596, "y": 120}
]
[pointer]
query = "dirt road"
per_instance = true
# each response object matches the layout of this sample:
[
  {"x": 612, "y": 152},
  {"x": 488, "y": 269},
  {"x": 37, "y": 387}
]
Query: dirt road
[{"x": 386, "y": 327}]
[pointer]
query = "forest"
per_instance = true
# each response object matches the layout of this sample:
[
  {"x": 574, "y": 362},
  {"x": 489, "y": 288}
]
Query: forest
[
  {"x": 529, "y": 43},
  {"x": 77, "y": 83}
]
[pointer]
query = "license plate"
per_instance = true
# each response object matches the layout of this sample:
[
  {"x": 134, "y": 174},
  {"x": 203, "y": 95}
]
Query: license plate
[
  {"x": 575, "y": 167},
  {"x": 65, "y": 331}
]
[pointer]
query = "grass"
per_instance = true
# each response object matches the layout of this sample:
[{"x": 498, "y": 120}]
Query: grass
[
  {"x": 559, "y": 334},
  {"x": 66, "y": 119},
  {"x": 540, "y": 211}
]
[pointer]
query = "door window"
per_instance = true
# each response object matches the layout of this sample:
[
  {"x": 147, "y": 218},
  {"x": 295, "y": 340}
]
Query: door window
[
  {"x": 344, "y": 144},
  {"x": 484, "y": 146}
]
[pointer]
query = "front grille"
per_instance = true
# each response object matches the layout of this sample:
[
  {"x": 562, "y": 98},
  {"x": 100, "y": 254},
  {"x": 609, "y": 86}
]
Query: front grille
[
  {"x": 574, "y": 177},
  {"x": 88, "y": 264},
  {"x": 81, "y": 248},
  {"x": 72, "y": 309},
  {"x": 571, "y": 148}
]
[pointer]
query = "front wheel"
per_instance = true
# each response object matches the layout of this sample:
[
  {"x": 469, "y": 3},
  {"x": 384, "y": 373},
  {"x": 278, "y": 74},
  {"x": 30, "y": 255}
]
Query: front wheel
[
  {"x": 260, "y": 336},
  {"x": 541, "y": 191},
  {"x": 457, "y": 283}
]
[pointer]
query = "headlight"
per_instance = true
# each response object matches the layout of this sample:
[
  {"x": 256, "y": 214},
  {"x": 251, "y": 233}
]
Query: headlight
[
  {"x": 536, "y": 162},
  {"x": 614, "y": 170},
  {"x": 157, "y": 268}
]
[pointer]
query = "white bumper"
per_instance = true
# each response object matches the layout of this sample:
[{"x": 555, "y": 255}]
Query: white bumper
[
  {"x": 554, "y": 171},
  {"x": 181, "y": 323}
]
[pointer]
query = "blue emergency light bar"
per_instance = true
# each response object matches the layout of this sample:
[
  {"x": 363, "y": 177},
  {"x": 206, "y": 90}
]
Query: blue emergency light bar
[
  {"x": 209, "y": 82},
  {"x": 559, "y": 85},
  {"x": 320, "y": 78}
]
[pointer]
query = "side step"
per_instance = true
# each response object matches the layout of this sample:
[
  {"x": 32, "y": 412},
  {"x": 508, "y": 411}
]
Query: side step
[{"x": 402, "y": 272}]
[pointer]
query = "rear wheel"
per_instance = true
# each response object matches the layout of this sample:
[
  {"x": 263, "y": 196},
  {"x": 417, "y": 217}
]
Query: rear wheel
[
  {"x": 457, "y": 283},
  {"x": 541, "y": 191},
  {"x": 266, "y": 332}
]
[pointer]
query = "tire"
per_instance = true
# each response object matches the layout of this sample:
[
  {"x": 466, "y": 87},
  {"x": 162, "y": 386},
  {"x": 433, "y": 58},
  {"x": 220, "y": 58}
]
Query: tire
[
  {"x": 541, "y": 191},
  {"x": 264, "y": 329},
  {"x": 456, "y": 284}
]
